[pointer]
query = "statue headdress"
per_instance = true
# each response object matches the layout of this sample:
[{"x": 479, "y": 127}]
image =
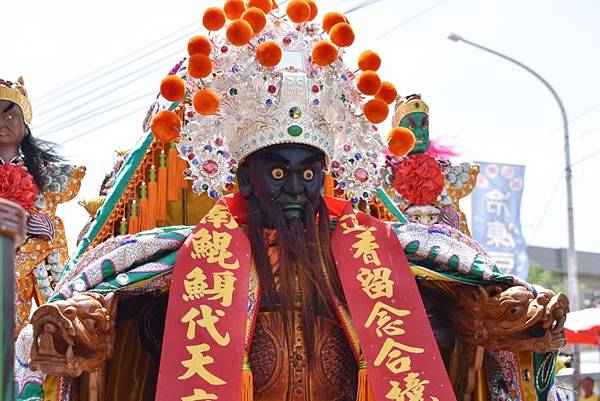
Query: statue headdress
[
  {"x": 406, "y": 105},
  {"x": 273, "y": 79},
  {"x": 16, "y": 93}
]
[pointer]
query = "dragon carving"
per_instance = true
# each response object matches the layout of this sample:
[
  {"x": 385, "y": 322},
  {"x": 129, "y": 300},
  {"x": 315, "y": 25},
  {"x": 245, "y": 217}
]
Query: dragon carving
[
  {"x": 513, "y": 319},
  {"x": 74, "y": 335}
]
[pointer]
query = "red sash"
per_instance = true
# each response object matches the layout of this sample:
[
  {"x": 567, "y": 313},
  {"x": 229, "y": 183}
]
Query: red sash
[
  {"x": 203, "y": 346},
  {"x": 204, "y": 340},
  {"x": 402, "y": 356}
]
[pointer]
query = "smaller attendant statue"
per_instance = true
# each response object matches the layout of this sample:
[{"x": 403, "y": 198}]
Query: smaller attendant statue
[{"x": 30, "y": 167}]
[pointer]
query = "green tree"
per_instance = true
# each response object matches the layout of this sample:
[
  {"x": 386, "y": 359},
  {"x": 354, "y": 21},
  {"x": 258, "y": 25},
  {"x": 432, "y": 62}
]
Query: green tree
[{"x": 547, "y": 279}]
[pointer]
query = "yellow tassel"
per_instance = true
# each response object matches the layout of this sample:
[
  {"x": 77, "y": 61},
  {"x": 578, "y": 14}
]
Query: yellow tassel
[
  {"x": 134, "y": 220},
  {"x": 182, "y": 166},
  {"x": 144, "y": 208},
  {"x": 152, "y": 198},
  {"x": 328, "y": 190},
  {"x": 247, "y": 384},
  {"x": 365, "y": 391},
  {"x": 161, "y": 212},
  {"x": 172, "y": 169}
]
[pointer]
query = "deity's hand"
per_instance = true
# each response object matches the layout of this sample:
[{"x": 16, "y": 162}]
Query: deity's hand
[{"x": 12, "y": 221}]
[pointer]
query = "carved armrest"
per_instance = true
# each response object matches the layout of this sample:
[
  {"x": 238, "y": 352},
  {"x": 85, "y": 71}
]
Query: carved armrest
[
  {"x": 513, "y": 319},
  {"x": 75, "y": 335}
]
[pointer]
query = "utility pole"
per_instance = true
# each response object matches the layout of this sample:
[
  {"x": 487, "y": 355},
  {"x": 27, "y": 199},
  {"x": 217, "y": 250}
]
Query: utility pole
[{"x": 572, "y": 281}]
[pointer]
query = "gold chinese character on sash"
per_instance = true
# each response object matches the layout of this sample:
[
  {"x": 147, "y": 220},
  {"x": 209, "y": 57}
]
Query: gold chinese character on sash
[
  {"x": 350, "y": 224},
  {"x": 223, "y": 287},
  {"x": 196, "y": 365},
  {"x": 412, "y": 391},
  {"x": 199, "y": 395},
  {"x": 395, "y": 361},
  {"x": 213, "y": 247},
  {"x": 366, "y": 248},
  {"x": 196, "y": 286},
  {"x": 220, "y": 216},
  {"x": 207, "y": 321},
  {"x": 385, "y": 319},
  {"x": 376, "y": 283}
]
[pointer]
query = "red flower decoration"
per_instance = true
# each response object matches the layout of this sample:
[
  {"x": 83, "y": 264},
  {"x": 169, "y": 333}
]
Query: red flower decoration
[
  {"x": 17, "y": 185},
  {"x": 419, "y": 179}
]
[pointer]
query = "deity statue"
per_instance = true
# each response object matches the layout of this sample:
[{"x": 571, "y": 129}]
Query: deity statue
[
  {"x": 424, "y": 184},
  {"x": 279, "y": 290},
  {"x": 39, "y": 261}
]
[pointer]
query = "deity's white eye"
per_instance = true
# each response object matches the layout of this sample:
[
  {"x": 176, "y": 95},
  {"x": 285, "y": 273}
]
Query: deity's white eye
[
  {"x": 308, "y": 175},
  {"x": 277, "y": 173},
  {"x": 8, "y": 117}
]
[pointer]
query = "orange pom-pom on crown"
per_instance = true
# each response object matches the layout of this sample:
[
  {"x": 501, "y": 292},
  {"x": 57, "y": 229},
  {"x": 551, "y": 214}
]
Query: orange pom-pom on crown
[
  {"x": 199, "y": 44},
  {"x": 314, "y": 10},
  {"x": 269, "y": 53},
  {"x": 172, "y": 88},
  {"x": 166, "y": 126},
  {"x": 368, "y": 83},
  {"x": 387, "y": 92},
  {"x": 369, "y": 60},
  {"x": 199, "y": 65},
  {"x": 376, "y": 110},
  {"x": 324, "y": 53},
  {"x": 330, "y": 19},
  {"x": 206, "y": 102},
  {"x": 298, "y": 11},
  {"x": 239, "y": 32},
  {"x": 213, "y": 18},
  {"x": 401, "y": 141},
  {"x": 265, "y": 5},
  {"x": 342, "y": 34},
  {"x": 256, "y": 18},
  {"x": 234, "y": 9}
]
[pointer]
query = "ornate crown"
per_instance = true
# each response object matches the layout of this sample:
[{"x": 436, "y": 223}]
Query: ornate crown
[
  {"x": 407, "y": 105},
  {"x": 16, "y": 93},
  {"x": 282, "y": 83}
]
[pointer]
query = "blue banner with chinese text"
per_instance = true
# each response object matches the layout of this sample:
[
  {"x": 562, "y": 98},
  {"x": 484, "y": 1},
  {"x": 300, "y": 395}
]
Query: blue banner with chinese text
[{"x": 496, "y": 216}]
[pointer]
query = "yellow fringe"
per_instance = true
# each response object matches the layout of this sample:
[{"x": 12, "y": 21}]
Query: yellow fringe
[
  {"x": 247, "y": 384},
  {"x": 182, "y": 165},
  {"x": 134, "y": 220},
  {"x": 161, "y": 208},
  {"x": 328, "y": 190},
  {"x": 134, "y": 225},
  {"x": 365, "y": 391},
  {"x": 172, "y": 179},
  {"x": 152, "y": 204}
]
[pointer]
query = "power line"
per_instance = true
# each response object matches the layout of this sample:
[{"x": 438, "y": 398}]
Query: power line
[
  {"x": 98, "y": 112},
  {"x": 92, "y": 130},
  {"x": 356, "y": 8},
  {"x": 151, "y": 67},
  {"x": 546, "y": 207},
  {"x": 406, "y": 21},
  {"x": 585, "y": 158},
  {"x": 60, "y": 91}
]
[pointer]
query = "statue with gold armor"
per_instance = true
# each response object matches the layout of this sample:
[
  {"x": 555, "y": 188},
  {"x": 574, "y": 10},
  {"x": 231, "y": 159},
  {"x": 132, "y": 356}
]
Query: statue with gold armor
[
  {"x": 279, "y": 290},
  {"x": 40, "y": 259}
]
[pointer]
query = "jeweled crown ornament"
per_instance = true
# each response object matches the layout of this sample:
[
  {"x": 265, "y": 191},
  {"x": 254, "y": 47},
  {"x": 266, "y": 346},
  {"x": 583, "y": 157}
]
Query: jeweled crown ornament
[
  {"x": 273, "y": 79},
  {"x": 16, "y": 93},
  {"x": 407, "y": 105}
]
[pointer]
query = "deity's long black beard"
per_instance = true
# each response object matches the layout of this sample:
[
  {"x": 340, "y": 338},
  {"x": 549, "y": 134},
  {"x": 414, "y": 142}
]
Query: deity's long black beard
[{"x": 306, "y": 267}]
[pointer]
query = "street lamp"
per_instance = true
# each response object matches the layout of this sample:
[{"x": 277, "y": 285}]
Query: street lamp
[{"x": 571, "y": 254}]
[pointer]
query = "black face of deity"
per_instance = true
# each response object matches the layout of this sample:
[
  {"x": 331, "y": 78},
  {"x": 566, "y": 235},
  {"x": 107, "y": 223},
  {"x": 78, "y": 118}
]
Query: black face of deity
[
  {"x": 12, "y": 125},
  {"x": 286, "y": 176}
]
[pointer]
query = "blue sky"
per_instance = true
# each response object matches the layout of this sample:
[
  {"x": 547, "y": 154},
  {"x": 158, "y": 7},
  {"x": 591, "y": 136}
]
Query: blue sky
[{"x": 489, "y": 109}]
